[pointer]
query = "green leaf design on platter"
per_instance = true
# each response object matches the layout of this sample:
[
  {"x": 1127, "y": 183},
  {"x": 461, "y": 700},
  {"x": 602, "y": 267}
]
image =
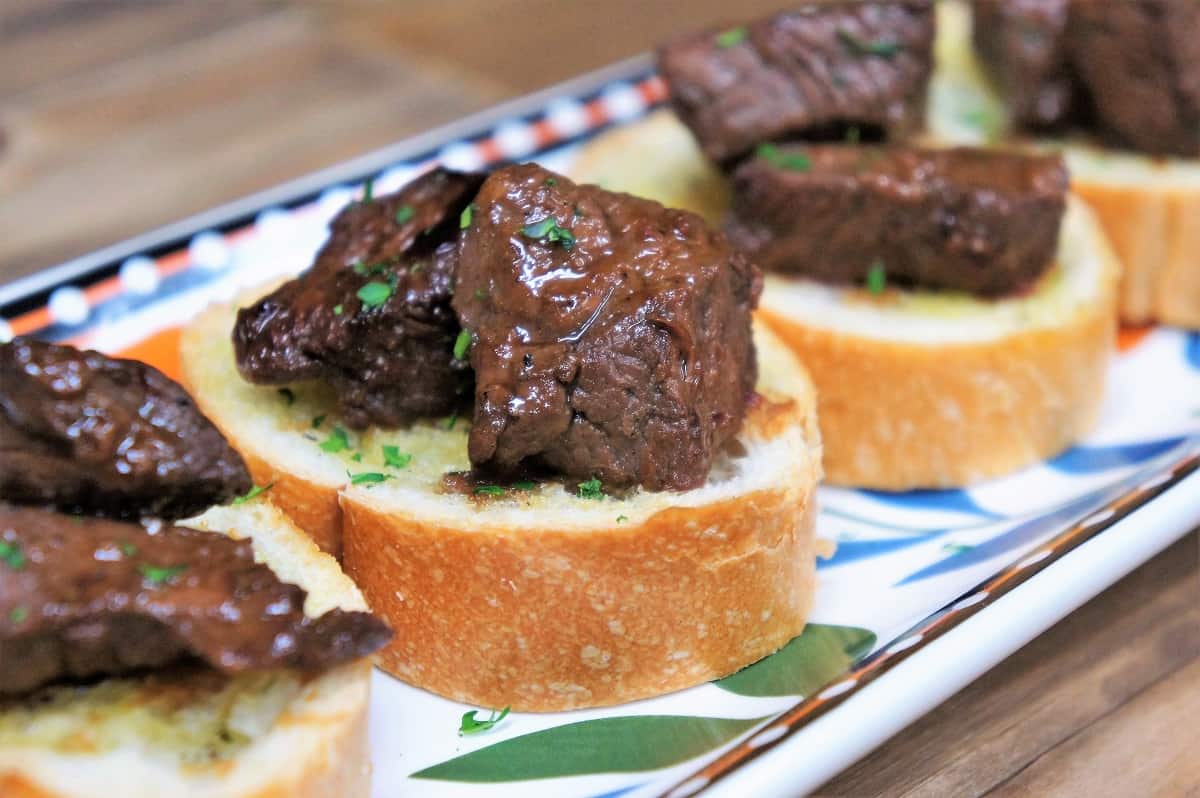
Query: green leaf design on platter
[
  {"x": 606, "y": 745},
  {"x": 818, "y": 655}
]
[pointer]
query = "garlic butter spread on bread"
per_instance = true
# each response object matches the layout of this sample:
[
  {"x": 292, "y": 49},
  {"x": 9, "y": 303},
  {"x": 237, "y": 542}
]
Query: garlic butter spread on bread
[
  {"x": 954, "y": 307},
  {"x": 144, "y": 653},
  {"x": 625, "y": 505}
]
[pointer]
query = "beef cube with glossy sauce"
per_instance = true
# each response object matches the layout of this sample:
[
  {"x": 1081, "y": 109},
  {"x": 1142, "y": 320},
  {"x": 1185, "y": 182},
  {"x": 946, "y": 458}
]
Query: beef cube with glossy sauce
[
  {"x": 84, "y": 597},
  {"x": 814, "y": 72},
  {"x": 1140, "y": 62},
  {"x": 88, "y": 433},
  {"x": 961, "y": 219},
  {"x": 372, "y": 317},
  {"x": 611, "y": 336},
  {"x": 1023, "y": 43}
]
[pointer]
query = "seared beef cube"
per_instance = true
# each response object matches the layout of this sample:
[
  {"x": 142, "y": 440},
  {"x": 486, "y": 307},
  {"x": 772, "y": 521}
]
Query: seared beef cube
[
  {"x": 89, "y": 433},
  {"x": 962, "y": 219},
  {"x": 812, "y": 73},
  {"x": 1024, "y": 45},
  {"x": 1140, "y": 61},
  {"x": 84, "y": 597},
  {"x": 372, "y": 317},
  {"x": 611, "y": 335}
]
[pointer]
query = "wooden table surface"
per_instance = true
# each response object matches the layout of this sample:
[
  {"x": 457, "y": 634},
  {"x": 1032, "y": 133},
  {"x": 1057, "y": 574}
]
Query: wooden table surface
[{"x": 116, "y": 117}]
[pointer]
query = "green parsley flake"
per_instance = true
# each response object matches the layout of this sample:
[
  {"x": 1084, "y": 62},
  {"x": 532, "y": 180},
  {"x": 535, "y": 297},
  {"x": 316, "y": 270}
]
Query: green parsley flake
[
  {"x": 592, "y": 489},
  {"x": 876, "y": 278},
  {"x": 481, "y": 294},
  {"x": 622, "y": 519},
  {"x": 374, "y": 294},
  {"x": 404, "y": 214},
  {"x": 357, "y": 457},
  {"x": 472, "y": 725},
  {"x": 731, "y": 38},
  {"x": 884, "y": 48},
  {"x": 462, "y": 344},
  {"x": 11, "y": 555},
  {"x": 792, "y": 161},
  {"x": 128, "y": 549},
  {"x": 318, "y": 421},
  {"x": 853, "y": 134},
  {"x": 336, "y": 442},
  {"x": 450, "y": 422},
  {"x": 160, "y": 575},
  {"x": 367, "y": 478},
  {"x": 464, "y": 218},
  {"x": 489, "y": 490},
  {"x": 394, "y": 458},
  {"x": 548, "y": 229},
  {"x": 18, "y": 614},
  {"x": 525, "y": 484},
  {"x": 288, "y": 396},
  {"x": 254, "y": 492},
  {"x": 337, "y": 310},
  {"x": 369, "y": 190},
  {"x": 550, "y": 181}
]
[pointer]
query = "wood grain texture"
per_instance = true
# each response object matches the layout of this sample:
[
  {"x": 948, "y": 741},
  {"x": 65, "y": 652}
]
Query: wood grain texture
[{"x": 120, "y": 115}]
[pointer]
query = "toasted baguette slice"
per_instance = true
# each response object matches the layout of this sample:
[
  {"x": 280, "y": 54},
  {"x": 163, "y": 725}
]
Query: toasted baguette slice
[
  {"x": 540, "y": 599},
  {"x": 917, "y": 389},
  {"x": 1149, "y": 206},
  {"x": 190, "y": 735}
]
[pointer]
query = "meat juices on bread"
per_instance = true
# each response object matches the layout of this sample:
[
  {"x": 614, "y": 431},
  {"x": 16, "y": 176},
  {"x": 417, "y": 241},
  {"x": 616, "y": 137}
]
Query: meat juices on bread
[
  {"x": 372, "y": 316},
  {"x": 962, "y": 219},
  {"x": 100, "y": 618},
  {"x": 87, "y": 433},
  {"x": 611, "y": 335},
  {"x": 770, "y": 79}
]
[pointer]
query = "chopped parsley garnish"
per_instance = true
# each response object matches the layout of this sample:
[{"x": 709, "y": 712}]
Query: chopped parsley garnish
[
  {"x": 288, "y": 396},
  {"x": 374, "y": 294},
  {"x": 792, "y": 161},
  {"x": 394, "y": 458},
  {"x": 472, "y": 725},
  {"x": 254, "y": 492},
  {"x": 549, "y": 229},
  {"x": 730, "y": 38},
  {"x": 853, "y": 134},
  {"x": 318, "y": 421},
  {"x": 336, "y": 442},
  {"x": 365, "y": 269},
  {"x": 525, "y": 484},
  {"x": 489, "y": 490},
  {"x": 404, "y": 214},
  {"x": 622, "y": 519},
  {"x": 11, "y": 555},
  {"x": 18, "y": 614},
  {"x": 337, "y": 310},
  {"x": 550, "y": 181},
  {"x": 592, "y": 489},
  {"x": 876, "y": 278},
  {"x": 462, "y": 344},
  {"x": 367, "y": 478},
  {"x": 416, "y": 268},
  {"x": 357, "y": 457},
  {"x": 481, "y": 294},
  {"x": 450, "y": 422},
  {"x": 884, "y": 48},
  {"x": 464, "y": 218},
  {"x": 160, "y": 574},
  {"x": 128, "y": 549},
  {"x": 369, "y": 189}
]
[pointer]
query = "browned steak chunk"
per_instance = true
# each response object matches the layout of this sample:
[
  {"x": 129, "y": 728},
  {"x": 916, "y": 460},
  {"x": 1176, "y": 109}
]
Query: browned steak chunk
[
  {"x": 611, "y": 335},
  {"x": 372, "y": 317},
  {"x": 89, "y": 433},
  {"x": 82, "y": 598},
  {"x": 810, "y": 73},
  {"x": 1024, "y": 45},
  {"x": 962, "y": 219}
]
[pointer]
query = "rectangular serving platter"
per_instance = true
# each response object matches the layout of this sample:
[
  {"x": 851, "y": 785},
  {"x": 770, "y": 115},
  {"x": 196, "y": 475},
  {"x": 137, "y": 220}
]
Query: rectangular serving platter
[{"x": 927, "y": 590}]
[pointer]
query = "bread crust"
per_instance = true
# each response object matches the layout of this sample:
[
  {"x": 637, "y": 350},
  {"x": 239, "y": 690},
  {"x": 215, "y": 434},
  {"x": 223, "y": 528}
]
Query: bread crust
[
  {"x": 546, "y": 618},
  {"x": 1155, "y": 231}
]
